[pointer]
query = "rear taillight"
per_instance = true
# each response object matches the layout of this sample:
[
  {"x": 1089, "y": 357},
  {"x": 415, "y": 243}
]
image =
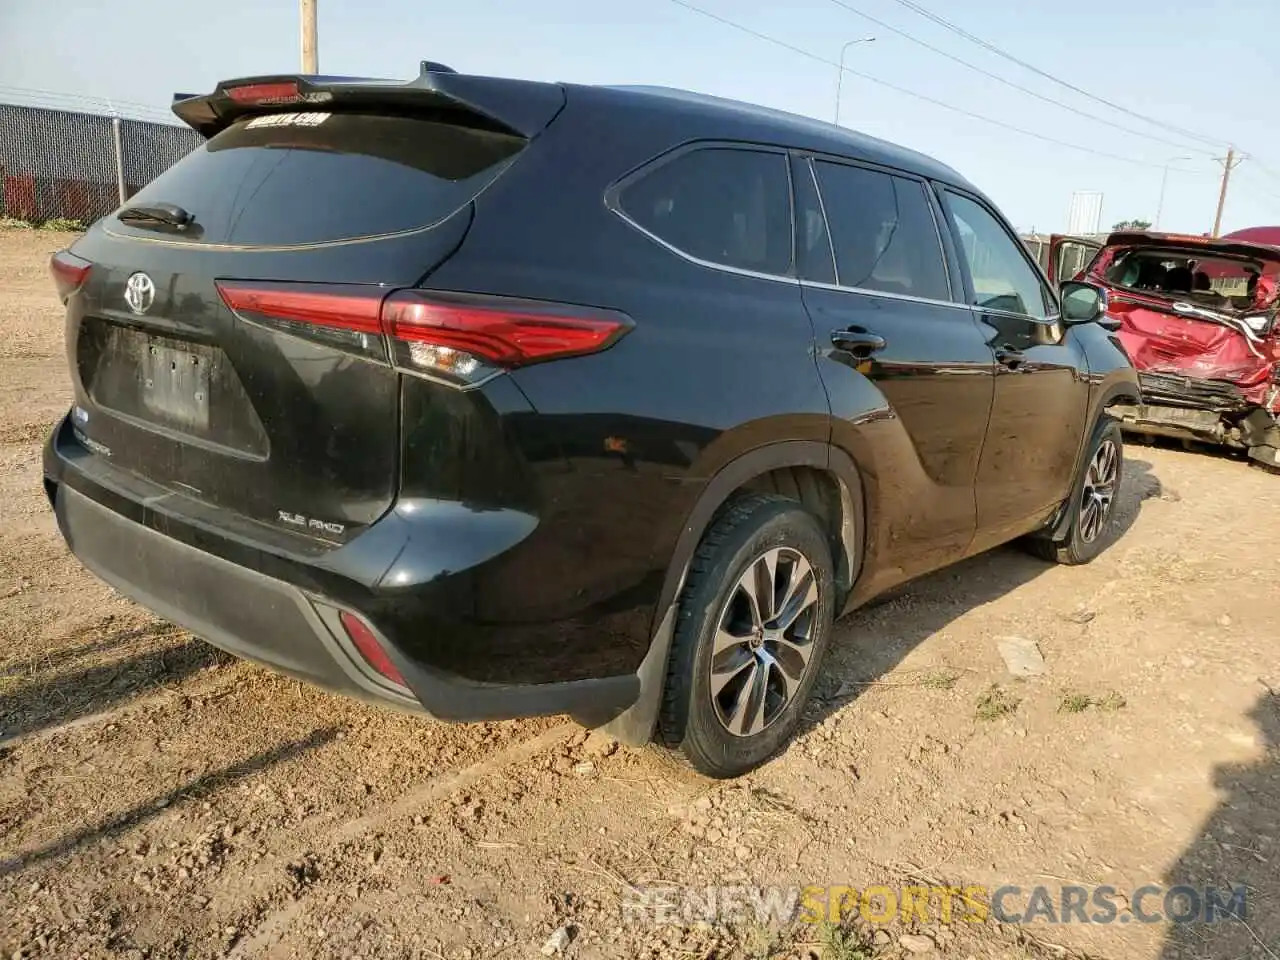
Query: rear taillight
[
  {"x": 461, "y": 337},
  {"x": 345, "y": 316},
  {"x": 467, "y": 336},
  {"x": 69, "y": 273},
  {"x": 265, "y": 93},
  {"x": 367, "y": 643}
]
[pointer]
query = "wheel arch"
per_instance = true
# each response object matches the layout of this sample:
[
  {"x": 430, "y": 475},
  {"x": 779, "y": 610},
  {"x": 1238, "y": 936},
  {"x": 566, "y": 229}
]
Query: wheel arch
[
  {"x": 783, "y": 468},
  {"x": 798, "y": 468}
]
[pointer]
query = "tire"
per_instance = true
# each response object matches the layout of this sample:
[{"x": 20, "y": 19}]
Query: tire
[
  {"x": 765, "y": 663},
  {"x": 1092, "y": 506}
]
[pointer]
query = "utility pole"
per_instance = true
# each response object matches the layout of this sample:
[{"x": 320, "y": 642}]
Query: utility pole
[
  {"x": 1228, "y": 164},
  {"x": 310, "y": 54}
]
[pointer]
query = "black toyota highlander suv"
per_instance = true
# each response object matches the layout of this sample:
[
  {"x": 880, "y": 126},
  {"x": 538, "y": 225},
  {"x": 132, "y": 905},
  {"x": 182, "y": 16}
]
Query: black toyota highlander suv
[{"x": 490, "y": 398}]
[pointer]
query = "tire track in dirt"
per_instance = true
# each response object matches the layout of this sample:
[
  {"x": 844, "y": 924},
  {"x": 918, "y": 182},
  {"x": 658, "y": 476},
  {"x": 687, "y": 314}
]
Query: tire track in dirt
[{"x": 277, "y": 922}]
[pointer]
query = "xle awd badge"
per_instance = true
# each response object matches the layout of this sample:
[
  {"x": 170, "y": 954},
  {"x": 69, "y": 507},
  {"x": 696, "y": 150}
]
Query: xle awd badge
[
  {"x": 139, "y": 293},
  {"x": 311, "y": 523}
]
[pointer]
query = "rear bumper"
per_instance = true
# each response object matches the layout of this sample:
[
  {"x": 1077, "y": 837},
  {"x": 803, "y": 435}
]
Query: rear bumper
[
  {"x": 242, "y": 603},
  {"x": 1209, "y": 411}
]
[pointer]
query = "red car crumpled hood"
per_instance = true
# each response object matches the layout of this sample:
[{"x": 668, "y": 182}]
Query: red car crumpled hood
[{"x": 1162, "y": 342}]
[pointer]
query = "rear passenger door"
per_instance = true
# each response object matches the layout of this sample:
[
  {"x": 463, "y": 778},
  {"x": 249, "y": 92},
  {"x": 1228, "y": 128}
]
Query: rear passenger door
[
  {"x": 1042, "y": 384},
  {"x": 908, "y": 371}
]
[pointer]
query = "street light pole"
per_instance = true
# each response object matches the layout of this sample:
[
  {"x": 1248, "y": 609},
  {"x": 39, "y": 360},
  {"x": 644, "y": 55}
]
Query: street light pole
[
  {"x": 1164, "y": 180},
  {"x": 840, "y": 75}
]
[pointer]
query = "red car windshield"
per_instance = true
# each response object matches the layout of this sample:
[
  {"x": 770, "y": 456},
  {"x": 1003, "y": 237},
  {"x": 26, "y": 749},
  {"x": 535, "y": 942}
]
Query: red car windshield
[{"x": 1219, "y": 282}]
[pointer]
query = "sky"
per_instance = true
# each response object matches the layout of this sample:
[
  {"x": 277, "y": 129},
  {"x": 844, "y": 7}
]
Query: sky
[{"x": 1207, "y": 70}]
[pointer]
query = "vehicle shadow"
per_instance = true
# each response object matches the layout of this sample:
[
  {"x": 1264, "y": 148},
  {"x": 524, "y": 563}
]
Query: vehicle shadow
[
  {"x": 874, "y": 639},
  {"x": 57, "y": 657},
  {"x": 40, "y": 699},
  {"x": 157, "y": 804},
  {"x": 1237, "y": 848}
]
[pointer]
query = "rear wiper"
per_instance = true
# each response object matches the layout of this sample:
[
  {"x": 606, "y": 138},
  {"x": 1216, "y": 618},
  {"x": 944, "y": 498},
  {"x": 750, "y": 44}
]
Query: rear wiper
[{"x": 169, "y": 214}]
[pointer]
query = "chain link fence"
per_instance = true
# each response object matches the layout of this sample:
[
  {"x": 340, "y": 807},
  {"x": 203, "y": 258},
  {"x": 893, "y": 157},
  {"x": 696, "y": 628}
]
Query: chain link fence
[{"x": 71, "y": 167}]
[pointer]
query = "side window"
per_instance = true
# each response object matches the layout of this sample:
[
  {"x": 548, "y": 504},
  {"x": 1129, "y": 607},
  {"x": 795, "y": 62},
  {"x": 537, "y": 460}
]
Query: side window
[
  {"x": 724, "y": 205},
  {"x": 1002, "y": 277},
  {"x": 883, "y": 233}
]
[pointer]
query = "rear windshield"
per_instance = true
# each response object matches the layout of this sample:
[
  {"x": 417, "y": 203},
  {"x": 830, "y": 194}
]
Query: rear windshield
[
  {"x": 1213, "y": 281},
  {"x": 287, "y": 179}
]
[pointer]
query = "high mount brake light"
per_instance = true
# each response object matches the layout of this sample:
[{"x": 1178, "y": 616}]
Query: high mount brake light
[
  {"x": 462, "y": 337},
  {"x": 69, "y": 273},
  {"x": 266, "y": 93}
]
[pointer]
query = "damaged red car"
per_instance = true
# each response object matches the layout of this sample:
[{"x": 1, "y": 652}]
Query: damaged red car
[{"x": 1198, "y": 318}]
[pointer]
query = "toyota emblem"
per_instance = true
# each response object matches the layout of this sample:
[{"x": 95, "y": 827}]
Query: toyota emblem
[{"x": 139, "y": 293}]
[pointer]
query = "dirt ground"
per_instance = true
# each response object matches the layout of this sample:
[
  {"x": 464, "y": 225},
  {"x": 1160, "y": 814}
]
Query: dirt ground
[{"x": 160, "y": 799}]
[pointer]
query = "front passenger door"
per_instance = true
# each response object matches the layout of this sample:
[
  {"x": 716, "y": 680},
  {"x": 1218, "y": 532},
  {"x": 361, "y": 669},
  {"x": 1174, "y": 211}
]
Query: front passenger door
[{"x": 1042, "y": 384}]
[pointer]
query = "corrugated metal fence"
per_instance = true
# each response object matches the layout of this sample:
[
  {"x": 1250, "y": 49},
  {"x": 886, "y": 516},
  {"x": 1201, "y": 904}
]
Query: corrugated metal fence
[{"x": 64, "y": 164}]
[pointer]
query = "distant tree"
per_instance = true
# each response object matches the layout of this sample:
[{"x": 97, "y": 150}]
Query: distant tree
[{"x": 1132, "y": 225}]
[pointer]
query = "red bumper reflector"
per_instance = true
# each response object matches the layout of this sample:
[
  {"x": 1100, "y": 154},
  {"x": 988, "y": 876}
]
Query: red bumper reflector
[{"x": 369, "y": 647}]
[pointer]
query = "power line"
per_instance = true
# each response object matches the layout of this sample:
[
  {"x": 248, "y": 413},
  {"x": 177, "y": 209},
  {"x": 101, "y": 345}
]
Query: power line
[
  {"x": 960, "y": 31},
  {"x": 1009, "y": 83},
  {"x": 1255, "y": 185},
  {"x": 910, "y": 93},
  {"x": 74, "y": 102},
  {"x": 1263, "y": 167}
]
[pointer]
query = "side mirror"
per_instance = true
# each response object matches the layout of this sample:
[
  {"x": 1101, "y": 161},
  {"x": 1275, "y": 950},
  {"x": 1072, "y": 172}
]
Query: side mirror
[{"x": 1082, "y": 302}]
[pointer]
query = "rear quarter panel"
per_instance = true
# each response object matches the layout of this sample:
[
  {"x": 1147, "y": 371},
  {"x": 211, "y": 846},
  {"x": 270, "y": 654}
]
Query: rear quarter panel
[{"x": 718, "y": 364}]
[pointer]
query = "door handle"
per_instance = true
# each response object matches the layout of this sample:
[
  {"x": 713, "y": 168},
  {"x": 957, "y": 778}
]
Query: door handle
[
  {"x": 858, "y": 341},
  {"x": 1010, "y": 358}
]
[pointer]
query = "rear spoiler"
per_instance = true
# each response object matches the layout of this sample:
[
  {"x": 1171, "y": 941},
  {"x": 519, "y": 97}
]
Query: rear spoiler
[{"x": 522, "y": 107}]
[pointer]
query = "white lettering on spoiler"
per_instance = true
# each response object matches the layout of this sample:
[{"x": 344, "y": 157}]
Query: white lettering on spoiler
[{"x": 289, "y": 120}]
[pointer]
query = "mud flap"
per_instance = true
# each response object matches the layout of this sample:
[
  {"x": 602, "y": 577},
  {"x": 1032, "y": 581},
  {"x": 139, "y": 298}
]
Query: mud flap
[{"x": 635, "y": 725}]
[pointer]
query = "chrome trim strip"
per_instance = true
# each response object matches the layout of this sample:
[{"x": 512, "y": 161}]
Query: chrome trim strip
[
  {"x": 937, "y": 231},
  {"x": 1050, "y": 318},
  {"x": 826, "y": 223},
  {"x": 722, "y": 267},
  {"x": 883, "y": 293},
  {"x": 791, "y": 207}
]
